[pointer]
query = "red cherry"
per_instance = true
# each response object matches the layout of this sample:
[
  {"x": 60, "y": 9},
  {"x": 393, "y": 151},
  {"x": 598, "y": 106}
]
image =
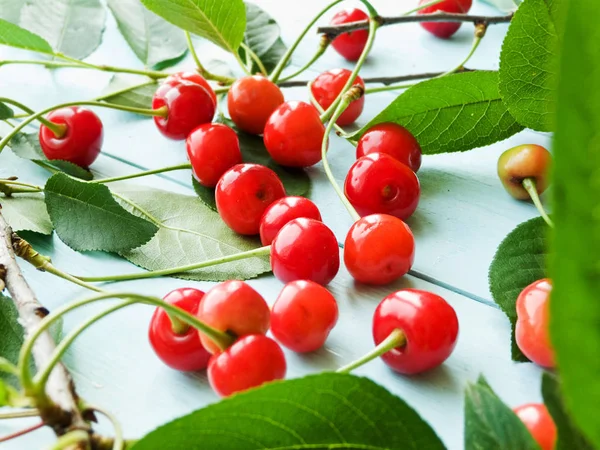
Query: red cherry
[
  {"x": 234, "y": 307},
  {"x": 251, "y": 100},
  {"x": 538, "y": 421},
  {"x": 250, "y": 362},
  {"x": 82, "y": 140},
  {"x": 281, "y": 212},
  {"x": 293, "y": 135},
  {"x": 350, "y": 45},
  {"x": 192, "y": 77},
  {"x": 533, "y": 320},
  {"x": 179, "y": 351},
  {"x": 212, "y": 149},
  {"x": 327, "y": 86},
  {"x": 303, "y": 316},
  {"x": 429, "y": 324},
  {"x": 305, "y": 249},
  {"x": 393, "y": 140},
  {"x": 444, "y": 29},
  {"x": 189, "y": 105},
  {"x": 378, "y": 183},
  {"x": 379, "y": 249},
  {"x": 243, "y": 194}
]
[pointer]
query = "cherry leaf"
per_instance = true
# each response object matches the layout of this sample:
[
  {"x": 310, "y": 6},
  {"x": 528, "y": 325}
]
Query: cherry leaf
[
  {"x": 27, "y": 212},
  {"x": 5, "y": 112},
  {"x": 323, "y": 411},
  {"x": 519, "y": 261},
  {"x": 15, "y": 36}
]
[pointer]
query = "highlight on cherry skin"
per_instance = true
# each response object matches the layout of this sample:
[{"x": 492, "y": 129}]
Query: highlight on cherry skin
[
  {"x": 540, "y": 424},
  {"x": 281, "y": 212},
  {"x": 233, "y": 307},
  {"x": 212, "y": 150},
  {"x": 393, "y": 140},
  {"x": 378, "y": 183},
  {"x": 251, "y": 100},
  {"x": 328, "y": 85},
  {"x": 82, "y": 139},
  {"x": 528, "y": 161},
  {"x": 303, "y": 316},
  {"x": 350, "y": 45},
  {"x": 532, "y": 332},
  {"x": 428, "y": 324},
  {"x": 243, "y": 194},
  {"x": 192, "y": 77},
  {"x": 250, "y": 362},
  {"x": 293, "y": 135},
  {"x": 444, "y": 30},
  {"x": 175, "y": 343}
]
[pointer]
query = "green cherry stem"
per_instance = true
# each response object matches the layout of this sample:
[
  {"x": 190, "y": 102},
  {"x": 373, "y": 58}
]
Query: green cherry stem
[
  {"x": 290, "y": 51},
  {"x": 201, "y": 69},
  {"x": 262, "y": 251},
  {"x": 254, "y": 57},
  {"x": 58, "y": 129},
  {"x": 323, "y": 45},
  {"x": 530, "y": 187},
  {"x": 70, "y": 439},
  {"x": 339, "y": 130},
  {"x": 420, "y": 7},
  {"x": 119, "y": 442},
  {"x": 20, "y": 414},
  {"x": 142, "y": 174},
  {"x": 397, "y": 338}
]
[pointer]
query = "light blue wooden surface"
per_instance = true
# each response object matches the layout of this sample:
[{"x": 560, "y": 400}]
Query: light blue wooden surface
[{"x": 463, "y": 215}]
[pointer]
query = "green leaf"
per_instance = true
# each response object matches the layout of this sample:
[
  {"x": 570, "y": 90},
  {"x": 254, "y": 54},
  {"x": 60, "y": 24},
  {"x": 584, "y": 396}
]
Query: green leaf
[
  {"x": 222, "y": 23},
  {"x": 263, "y": 37},
  {"x": 15, "y": 36},
  {"x": 152, "y": 39},
  {"x": 5, "y": 112},
  {"x": 27, "y": 212},
  {"x": 10, "y": 10},
  {"x": 121, "y": 91},
  {"x": 323, "y": 411},
  {"x": 27, "y": 146},
  {"x": 188, "y": 233},
  {"x": 575, "y": 308},
  {"x": 454, "y": 113},
  {"x": 519, "y": 261},
  {"x": 72, "y": 27},
  {"x": 569, "y": 437},
  {"x": 528, "y": 65},
  {"x": 87, "y": 217},
  {"x": 12, "y": 335},
  {"x": 296, "y": 181},
  {"x": 490, "y": 424}
]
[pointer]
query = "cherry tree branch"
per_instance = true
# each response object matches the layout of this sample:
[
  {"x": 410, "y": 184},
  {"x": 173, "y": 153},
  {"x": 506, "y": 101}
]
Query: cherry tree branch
[{"x": 333, "y": 30}]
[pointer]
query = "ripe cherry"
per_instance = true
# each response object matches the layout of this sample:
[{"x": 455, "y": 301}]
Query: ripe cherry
[
  {"x": 281, "y": 212},
  {"x": 327, "y": 86},
  {"x": 444, "y": 29},
  {"x": 524, "y": 161},
  {"x": 428, "y": 323},
  {"x": 192, "y": 77},
  {"x": 212, "y": 149},
  {"x": 188, "y": 104},
  {"x": 179, "y": 349},
  {"x": 250, "y": 362},
  {"x": 243, "y": 194},
  {"x": 350, "y": 45},
  {"x": 393, "y": 140},
  {"x": 234, "y": 307},
  {"x": 379, "y": 249},
  {"x": 303, "y": 316},
  {"x": 378, "y": 183},
  {"x": 533, "y": 320},
  {"x": 293, "y": 135},
  {"x": 82, "y": 140},
  {"x": 305, "y": 249},
  {"x": 538, "y": 421},
  {"x": 251, "y": 100}
]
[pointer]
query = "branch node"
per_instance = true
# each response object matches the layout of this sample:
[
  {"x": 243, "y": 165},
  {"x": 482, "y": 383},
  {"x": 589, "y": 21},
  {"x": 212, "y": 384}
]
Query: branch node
[{"x": 24, "y": 250}]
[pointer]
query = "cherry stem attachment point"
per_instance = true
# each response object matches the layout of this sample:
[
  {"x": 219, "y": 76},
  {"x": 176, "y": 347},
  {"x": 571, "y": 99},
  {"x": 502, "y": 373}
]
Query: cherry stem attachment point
[
  {"x": 396, "y": 339},
  {"x": 58, "y": 129},
  {"x": 178, "y": 326},
  {"x": 23, "y": 432},
  {"x": 530, "y": 187}
]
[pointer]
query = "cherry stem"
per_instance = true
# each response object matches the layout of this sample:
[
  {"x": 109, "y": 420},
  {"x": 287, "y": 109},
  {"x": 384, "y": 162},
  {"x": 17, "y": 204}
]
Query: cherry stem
[
  {"x": 201, "y": 69},
  {"x": 530, "y": 186},
  {"x": 20, "y": 414},
  {"x": 119, "y": 442},
  {"x": 322, "y": 47},
  {"x": 72, "y": 438},
  {"x": 396, "y": 339},
  {"x": 254, "y": 57},
  {"x": 142, "y": 174},
  {"x": 6, "y": 187},
  {"x": 58, "y": 129},
  {"x": 23, "y": 432},
  {"x": 292, "y": 48},
  {"x": 178, "y": 326},
  {"x": 335, "y": 30},
  {"x": 262, "y": 251},
  {"x": 339, "y": 130}
]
